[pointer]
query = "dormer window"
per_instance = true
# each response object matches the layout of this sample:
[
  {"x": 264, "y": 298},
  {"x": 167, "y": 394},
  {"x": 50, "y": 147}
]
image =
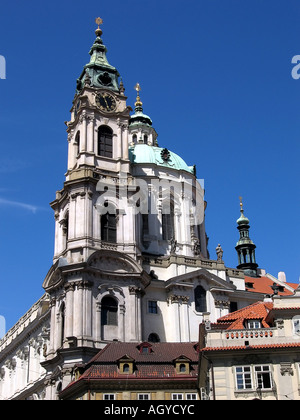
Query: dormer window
[
  {"x": 145, "y": 348},
  {"x": 253, "y": 323},
  {"x": 126, "y": 365},
  {"x": 182, "y": 365}
]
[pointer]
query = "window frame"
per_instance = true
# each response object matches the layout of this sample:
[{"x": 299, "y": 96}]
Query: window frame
[
  {"x": 183, "y": 396},
  {"x": 191, "y": 396},
  {"x": 108, "y": 233},
  {"x": 168, "y": 222},
  {"x": 243, "y": 374},
  {"x": 144, "y": 394},
  {"x": 296, "y": 329},
  {"x": 109, "y": 395},
  {"x": 175, "y": 395},
  {"x": 200, "y": 298},
  {"x": 152, "y": 307},
  {"x": 258, "y": 376},
  {"x": 253, "y": 324},
  {"x": 107, "y": 319},
  {"x": 105, "y": 141}
]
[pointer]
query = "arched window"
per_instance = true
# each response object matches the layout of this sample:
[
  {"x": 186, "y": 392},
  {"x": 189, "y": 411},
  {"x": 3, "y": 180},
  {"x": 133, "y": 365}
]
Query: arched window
[
  {"x": 153, "y": 338},
  {"x": 200, "y": 299},
  {"x": 109, "y": 311},
  {"x": 168, "y": 227},
  {"x": 182, "y": 368},
  {"x": 109, "y": 228},
  {"x": 105, "y": 141},
  {"x": 77, "y": 141},
  {"x": 126, "y": 368},
  {"x": 65, "y": 228},
  {"x": 62, "y": 322}
]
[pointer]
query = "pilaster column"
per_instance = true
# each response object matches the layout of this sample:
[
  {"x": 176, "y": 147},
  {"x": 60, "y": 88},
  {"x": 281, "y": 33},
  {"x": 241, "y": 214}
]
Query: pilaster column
[
  {"x": 78, "y": 310},
  {"x": 135, "y": 310},
  {"x": 119, "y": 140},
  {"x": 98, "y": 334},
  {"x": 69, "y": 287},
  {"x": 185, "y": 324},
  {"x": 175, "y": 320},
  {"x": 53, "y": 318},
  {"x": 83, "y": 143},
  {"x": 87, "y": 309},
  {"x": 90, "y": 133},
  {"x": 125, "y": 142}
]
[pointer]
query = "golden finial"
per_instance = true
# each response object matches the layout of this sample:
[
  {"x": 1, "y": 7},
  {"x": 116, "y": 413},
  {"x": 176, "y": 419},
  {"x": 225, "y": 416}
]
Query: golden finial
[
  {"x": 99, "y": 22},
  {"x": 241, "y": 202},
  {"x": 138, "y": 88}
]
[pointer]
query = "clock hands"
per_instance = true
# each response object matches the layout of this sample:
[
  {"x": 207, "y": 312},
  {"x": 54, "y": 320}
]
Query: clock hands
[
  {"x": 104, "y": 97},
  {"x": 106, "y": 102}
]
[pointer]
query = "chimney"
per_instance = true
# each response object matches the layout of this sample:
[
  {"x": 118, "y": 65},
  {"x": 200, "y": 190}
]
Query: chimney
[{"x": 282, "y": 276}]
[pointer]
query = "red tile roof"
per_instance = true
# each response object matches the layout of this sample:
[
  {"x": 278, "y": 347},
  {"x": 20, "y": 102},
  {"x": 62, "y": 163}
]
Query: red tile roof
[
  {"x": 264, "y": 285},
  {"x": 255, "y": 346},
  {"x": 160, "y": 352},
  {"x": 157, "y": 364},
  {"x": 258, "y": 311}
]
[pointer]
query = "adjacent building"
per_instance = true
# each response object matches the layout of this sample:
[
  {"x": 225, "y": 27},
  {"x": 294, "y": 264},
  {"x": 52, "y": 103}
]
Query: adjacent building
[
  {"x": 253, "y": 353},
  {"x": 138, "y": 371}
]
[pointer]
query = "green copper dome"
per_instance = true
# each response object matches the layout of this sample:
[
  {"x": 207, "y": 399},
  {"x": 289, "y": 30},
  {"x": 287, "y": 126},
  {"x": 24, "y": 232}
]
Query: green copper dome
[
  {"x": 242, "y": 220},
  {"x": 98, "y": 72},
  {"x": 143, "y": 153}
]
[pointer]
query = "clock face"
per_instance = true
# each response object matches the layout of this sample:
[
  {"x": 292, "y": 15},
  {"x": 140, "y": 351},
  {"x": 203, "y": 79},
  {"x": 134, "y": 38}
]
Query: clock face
[{"x": 106, "y": 102}]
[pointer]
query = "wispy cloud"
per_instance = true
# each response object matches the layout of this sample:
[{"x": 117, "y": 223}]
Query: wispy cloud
[
  {"x": 9, "y": 165},
  {"x": 18, "y": 204}
]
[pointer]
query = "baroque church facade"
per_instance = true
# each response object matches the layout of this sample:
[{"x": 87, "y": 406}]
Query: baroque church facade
[{"x": 131, "y": 262}]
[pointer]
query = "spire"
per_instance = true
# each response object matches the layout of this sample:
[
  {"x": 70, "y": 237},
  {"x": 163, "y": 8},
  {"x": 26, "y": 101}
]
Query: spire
[
  {"x": 245, "y": 247},
  {"x": 99, "y": 72},
  {"x": 139, "y": 117},
  {"x": 138, "y": 104}
]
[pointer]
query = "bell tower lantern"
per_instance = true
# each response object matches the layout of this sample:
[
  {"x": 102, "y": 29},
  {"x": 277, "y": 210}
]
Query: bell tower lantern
[
  {"x": 245, "y": 247},
  {"x": 98, "y": 129}
]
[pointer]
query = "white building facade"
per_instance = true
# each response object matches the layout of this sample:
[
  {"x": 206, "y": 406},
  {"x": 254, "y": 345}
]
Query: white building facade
[{"x": 131, "y": 260}]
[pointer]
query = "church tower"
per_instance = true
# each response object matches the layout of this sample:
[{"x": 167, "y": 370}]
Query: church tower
[
  {"x": 130, "y": 254},
  {"x": 245, "y": 247}
]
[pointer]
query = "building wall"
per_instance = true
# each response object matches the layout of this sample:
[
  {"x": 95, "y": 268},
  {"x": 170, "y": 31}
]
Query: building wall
[
  {"x": 22, "y": 350},
  {"x": 168, "y": 394}
]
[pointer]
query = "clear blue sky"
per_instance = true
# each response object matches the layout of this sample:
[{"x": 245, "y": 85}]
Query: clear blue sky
[{"x": 216, "y": 81}]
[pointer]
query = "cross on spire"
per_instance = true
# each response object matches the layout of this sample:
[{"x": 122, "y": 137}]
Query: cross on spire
[
  {"x": 241, "y": 202},
  {"x": 138, "y": 88},
  {"x": 99, "y": 22}
]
